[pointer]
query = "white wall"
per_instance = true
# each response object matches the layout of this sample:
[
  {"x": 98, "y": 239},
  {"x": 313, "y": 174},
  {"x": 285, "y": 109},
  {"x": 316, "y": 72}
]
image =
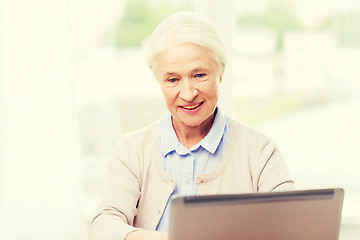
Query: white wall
[{"x": 41, "y": 171}]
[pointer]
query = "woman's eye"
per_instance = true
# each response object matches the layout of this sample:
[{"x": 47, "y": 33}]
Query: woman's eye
[
  {"x": 172, "y": 80},
  {"x": 200, "y": 75}
]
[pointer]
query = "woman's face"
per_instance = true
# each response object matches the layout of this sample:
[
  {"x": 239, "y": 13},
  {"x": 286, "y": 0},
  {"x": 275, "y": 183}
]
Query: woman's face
[{"x": 189, "y": 78}]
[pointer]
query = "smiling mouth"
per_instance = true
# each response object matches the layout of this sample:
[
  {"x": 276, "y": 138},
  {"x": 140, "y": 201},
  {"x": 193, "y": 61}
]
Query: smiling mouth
[{"x": 193, "y": 106}]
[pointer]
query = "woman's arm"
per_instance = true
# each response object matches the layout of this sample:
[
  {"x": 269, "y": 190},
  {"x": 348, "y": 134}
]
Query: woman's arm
[
  {"x": 272, "y": 173},
  {"x": 118, "y": 208}
]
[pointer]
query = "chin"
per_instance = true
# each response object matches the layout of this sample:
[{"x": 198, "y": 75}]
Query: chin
[{"x": 193, "y": 123}]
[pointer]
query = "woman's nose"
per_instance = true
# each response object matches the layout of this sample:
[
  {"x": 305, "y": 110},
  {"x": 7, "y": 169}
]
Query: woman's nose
[{"x": 188, "y": 91}]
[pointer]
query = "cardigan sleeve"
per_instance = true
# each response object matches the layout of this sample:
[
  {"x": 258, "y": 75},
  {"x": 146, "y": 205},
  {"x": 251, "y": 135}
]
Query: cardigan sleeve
[
  {"x": 116, "y": 212},
  {"x": 272, "y": 174}
]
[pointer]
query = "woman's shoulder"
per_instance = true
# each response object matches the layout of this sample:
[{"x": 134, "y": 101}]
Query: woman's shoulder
[
  {"x": 136, "y": 144},
  {"x": 249, "y": 141},
  {"x": 241, "y": 131}
]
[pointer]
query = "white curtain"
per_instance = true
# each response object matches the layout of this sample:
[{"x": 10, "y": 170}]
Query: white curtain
[{"x": 40, "y": 162}]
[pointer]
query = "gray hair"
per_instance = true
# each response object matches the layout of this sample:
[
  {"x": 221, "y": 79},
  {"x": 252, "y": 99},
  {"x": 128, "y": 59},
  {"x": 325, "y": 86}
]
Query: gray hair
[{"x": 187, "y": 27}]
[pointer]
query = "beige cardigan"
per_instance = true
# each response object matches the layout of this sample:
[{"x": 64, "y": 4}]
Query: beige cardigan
[{"x": 138, "y": 188}]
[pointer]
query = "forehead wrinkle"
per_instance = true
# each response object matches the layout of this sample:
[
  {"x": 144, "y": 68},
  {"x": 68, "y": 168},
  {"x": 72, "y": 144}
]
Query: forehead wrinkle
[
  {"x": 191, "y": 70},
  {"x": 169, "y": 74},
  {"x": 183, "y": 61},
  {"x": 199, "y": 69}
]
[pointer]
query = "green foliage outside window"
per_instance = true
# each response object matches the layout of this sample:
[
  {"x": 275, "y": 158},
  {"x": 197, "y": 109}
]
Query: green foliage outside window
[
  {"x": 279, "y": 15},
  {"x": 139, "y": 21},
  {"x": 141, "y": 18}
]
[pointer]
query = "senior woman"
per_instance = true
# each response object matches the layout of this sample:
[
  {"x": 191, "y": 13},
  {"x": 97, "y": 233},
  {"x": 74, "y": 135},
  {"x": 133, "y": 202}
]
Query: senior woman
[{"x": 194, "y": 150}]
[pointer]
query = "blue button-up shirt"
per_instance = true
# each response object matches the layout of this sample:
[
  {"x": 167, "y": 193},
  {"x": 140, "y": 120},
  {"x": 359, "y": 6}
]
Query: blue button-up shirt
[{"x": 183, "y": 164}]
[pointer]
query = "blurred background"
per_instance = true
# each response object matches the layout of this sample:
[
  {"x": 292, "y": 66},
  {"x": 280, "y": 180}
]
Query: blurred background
[{"x": 73, "y": 79}]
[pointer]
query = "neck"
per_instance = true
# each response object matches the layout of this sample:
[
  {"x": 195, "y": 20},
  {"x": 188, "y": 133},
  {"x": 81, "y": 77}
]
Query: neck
[{"x": 191, "y": 135}]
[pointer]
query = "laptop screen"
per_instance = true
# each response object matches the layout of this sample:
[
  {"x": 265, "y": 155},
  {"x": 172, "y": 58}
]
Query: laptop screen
[{"x": 308, "y": 214}]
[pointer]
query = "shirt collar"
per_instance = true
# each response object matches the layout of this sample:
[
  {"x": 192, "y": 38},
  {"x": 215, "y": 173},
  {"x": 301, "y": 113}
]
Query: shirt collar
[
  {"x": 169, "y": 141},
  {"x": 168, "y": 138},
  {"x": 212, "y": 140}
]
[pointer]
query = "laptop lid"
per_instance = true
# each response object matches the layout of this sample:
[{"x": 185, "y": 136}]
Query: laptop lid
[{"x": 295, "y": 215}]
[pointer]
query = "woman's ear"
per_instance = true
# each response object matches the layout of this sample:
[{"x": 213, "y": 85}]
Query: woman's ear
[{"x": 222, "y": 69}]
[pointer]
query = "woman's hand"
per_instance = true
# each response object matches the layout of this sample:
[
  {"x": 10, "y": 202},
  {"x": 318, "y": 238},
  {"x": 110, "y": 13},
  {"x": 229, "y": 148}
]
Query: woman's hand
[{"x": 147, "y": 235}]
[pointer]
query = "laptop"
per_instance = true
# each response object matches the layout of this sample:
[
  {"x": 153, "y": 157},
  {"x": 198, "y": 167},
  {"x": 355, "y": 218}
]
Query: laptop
[{"x": 293, "y": 215}]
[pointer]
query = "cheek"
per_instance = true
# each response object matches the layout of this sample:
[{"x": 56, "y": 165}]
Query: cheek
[
  {"x": 169, "y": 95},
  {"x": 211, "y": 90}
]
